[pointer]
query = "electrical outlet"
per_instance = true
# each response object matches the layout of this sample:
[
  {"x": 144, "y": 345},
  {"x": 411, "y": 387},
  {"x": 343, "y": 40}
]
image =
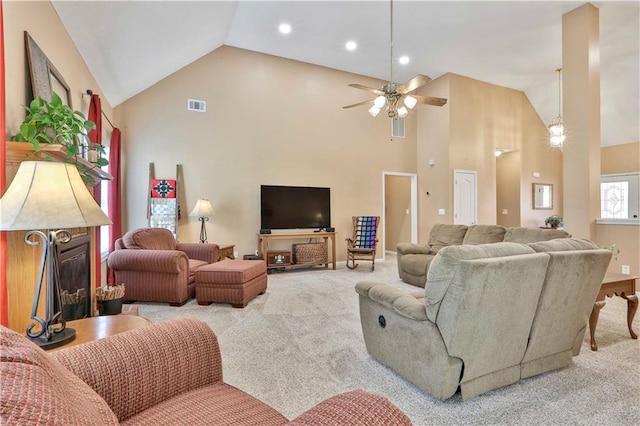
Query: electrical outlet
[
  {"x": 235, "y": 254},
  {"x": 626, "y": 270},
  {"x": 505, "y": 211},
  {"x": 441, "y": 212}
]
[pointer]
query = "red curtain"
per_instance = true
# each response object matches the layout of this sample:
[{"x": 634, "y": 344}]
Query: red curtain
[
  {"x": 115, "y": 199},
  {"x": 95, "y": 136},
  {"x": 95, "y": 115}
]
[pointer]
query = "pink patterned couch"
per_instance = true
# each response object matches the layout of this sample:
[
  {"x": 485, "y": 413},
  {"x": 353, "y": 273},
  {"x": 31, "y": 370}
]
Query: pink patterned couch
[
  {"x": 168, "y": 373},
  {"x": 156, "y": 268}
]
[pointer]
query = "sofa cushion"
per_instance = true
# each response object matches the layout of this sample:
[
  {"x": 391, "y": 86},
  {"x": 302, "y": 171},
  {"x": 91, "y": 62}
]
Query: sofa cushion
[
  {"x": 149, "y": 239},
  {"x": 416, "y": 264},
  {"x": 532, "y": 235},
  {"x": 444, "y": 266},
  {"x": 443, "y": 235},
  {"x": 484, "y": 234},
  {"x": 36, "y": 389},
  {"x": 563, "y": 244}
]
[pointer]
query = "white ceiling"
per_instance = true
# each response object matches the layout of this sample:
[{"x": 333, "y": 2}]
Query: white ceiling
[{"x": 131, "y": 45}]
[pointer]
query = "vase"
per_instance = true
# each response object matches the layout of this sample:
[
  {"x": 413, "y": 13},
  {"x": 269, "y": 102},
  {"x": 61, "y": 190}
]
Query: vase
[{"x": 110, "y": 307}]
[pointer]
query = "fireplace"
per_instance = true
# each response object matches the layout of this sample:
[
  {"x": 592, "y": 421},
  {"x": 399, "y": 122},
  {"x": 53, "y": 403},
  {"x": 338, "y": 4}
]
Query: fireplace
[{"x": 74, "y": 262}]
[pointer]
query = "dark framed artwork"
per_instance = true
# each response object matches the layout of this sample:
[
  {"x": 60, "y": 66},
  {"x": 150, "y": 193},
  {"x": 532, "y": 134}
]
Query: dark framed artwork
[{"x": 45, "y": 78}]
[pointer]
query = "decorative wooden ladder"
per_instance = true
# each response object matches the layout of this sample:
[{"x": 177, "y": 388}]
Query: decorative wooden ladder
[{"x": 163, "y": 205}]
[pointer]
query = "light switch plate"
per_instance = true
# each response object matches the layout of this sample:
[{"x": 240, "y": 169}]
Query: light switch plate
[{"x": 441, "y": 212}]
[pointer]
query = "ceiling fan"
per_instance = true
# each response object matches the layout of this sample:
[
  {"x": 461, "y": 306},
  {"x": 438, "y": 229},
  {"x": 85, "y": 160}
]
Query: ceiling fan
[{"x": 396, "y": 97}]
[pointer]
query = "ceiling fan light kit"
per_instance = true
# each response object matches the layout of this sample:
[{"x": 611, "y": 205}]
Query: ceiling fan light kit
[
  {"x": 395, "y": 97},
  {"x": 410, "y": 102}
]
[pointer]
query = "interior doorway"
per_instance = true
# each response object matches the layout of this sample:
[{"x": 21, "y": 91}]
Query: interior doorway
[
  {"x": 465, "y": 197},
  {"x": 399, "y": 210}
]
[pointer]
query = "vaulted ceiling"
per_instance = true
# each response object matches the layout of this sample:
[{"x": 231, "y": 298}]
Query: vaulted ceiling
[{"x": 131, "y": 45}]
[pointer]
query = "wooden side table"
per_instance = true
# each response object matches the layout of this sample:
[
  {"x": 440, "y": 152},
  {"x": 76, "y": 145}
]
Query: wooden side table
[
  {"x": 226, "y": 252},
  {"x": 618, "y": 285},
  {"x": 94, "y": 328}
]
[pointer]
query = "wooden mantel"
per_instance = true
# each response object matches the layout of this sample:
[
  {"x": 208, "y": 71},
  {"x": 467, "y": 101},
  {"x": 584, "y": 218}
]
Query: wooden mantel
[{"x": 20, "y": 151}]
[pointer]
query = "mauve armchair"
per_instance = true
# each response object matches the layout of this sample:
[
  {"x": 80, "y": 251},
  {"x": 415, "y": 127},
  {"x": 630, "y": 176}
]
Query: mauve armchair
[
  {"x": 154, "y": 267},
  {"x": 169, "y": 373}
]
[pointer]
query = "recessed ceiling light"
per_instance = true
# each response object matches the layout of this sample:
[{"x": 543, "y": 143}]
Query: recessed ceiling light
[
  {"x": 404, "y": 60},
  {"x": 284, "y": 28},
  {"x": 351, "y": 45}
]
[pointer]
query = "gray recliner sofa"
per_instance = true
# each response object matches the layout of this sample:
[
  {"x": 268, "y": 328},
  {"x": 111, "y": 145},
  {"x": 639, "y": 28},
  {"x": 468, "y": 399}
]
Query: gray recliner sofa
[
  {"x": 490, "y": 315},
  {"x": 414, "y": 259}
]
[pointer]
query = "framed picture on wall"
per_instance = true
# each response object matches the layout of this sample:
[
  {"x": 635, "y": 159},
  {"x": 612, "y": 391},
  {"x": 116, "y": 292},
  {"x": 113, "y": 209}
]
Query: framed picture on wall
[
  {"x": 45, "y": 78},
  {"x": 542, "y": 196}
]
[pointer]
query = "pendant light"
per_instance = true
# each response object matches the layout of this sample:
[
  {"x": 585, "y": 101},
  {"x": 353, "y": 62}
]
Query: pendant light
[{"x": 556, "y": 128}]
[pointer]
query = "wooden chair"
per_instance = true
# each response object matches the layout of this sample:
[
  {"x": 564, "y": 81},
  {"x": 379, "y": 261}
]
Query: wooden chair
[{"x": 363, "y": 244}]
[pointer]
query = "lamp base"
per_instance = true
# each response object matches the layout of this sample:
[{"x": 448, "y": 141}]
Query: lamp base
[{"x": 57, "y": 339}]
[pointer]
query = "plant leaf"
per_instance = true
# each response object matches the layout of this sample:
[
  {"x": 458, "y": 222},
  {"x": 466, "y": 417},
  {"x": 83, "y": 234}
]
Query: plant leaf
[{"x": 55, "y": 100}]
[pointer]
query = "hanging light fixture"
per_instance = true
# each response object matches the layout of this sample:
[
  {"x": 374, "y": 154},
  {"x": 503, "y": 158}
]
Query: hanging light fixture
[
  {"x": 396, "y": 103},
  {"x": 397, "y": 99},
  {"x": 556, "y": 128}
]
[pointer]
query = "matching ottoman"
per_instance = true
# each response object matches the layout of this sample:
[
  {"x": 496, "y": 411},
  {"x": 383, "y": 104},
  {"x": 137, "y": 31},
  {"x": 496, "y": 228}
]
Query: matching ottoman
[{"x": 231, "y": 281}]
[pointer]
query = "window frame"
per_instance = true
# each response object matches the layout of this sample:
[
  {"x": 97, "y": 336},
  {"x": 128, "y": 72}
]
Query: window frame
[{"x": 633, "y": 178}]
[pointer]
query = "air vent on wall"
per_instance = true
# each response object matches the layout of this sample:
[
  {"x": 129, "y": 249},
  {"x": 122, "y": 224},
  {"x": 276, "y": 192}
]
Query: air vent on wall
[
  {"x": 397, "y": 127},
  {"x": 196, "y": 105}
]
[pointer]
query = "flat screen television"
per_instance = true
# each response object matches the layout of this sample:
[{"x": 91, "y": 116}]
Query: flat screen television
[{"x": 294, "y": 207}]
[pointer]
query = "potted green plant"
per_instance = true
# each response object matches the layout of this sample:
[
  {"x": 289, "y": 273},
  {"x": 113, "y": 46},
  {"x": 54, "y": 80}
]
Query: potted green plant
[
  {"x": 554, "y": 221},
  {"x": 56, "y": 123}
]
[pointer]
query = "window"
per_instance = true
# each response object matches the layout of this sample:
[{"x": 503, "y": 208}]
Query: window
[{"x": 620, "y": 196}]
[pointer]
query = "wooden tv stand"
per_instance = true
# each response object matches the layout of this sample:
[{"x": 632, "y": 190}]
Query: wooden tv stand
[{"x": 263, "y": 242}]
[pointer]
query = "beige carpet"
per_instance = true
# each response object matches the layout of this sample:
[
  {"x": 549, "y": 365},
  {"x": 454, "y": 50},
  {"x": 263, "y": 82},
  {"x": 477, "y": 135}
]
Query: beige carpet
[{"x": 301, "y": 342}]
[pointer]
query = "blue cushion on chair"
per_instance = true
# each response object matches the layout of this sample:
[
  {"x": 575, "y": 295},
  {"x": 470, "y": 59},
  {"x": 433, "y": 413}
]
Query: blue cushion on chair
[{"x": 366, "y": 232}]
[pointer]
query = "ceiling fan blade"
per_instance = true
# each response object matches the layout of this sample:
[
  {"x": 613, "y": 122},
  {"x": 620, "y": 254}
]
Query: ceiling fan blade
[
  {"x": 413, "y": 84},
  {"x": 358, "y": 104},
  {"x": 368, "y": 89},
  {"x": 430, "y": 100}
]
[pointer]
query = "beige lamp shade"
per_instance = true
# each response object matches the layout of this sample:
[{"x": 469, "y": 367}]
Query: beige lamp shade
[
  {"x": 48, "y": 195},
  {"x": 203, "y": 208}
]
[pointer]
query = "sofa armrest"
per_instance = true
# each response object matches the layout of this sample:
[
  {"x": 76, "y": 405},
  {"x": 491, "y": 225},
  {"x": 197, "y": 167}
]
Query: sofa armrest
[
  {"x": 405, "y": 304},
  {"x": 206, "y": 252},
  {"x": 147, "y": 365},
  {"x": 409, "y": 248},
  {"x": 168, "y": 261},
  {"x": 353, "y": 408}
]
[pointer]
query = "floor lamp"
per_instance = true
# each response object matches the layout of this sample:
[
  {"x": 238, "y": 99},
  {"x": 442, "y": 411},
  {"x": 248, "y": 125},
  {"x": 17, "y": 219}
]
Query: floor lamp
[
  {"x": 48, "y": 196},
  {"x": 203, "y": 210}
]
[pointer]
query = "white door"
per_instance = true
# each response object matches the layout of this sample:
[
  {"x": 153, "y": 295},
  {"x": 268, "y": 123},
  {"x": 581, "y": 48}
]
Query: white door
[{"x": 465, "y": 194}]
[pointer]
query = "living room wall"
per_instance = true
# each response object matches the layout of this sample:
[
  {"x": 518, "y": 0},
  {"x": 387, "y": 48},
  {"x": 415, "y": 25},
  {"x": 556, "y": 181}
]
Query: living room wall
[
  {"x": 464, "y": 134},
  {"x": 268, "y": 121}
]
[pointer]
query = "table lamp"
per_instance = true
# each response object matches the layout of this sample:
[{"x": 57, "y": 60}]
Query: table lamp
[
  {"x": 203, "y": 210},
  {"x": 49, "y": 196}
]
